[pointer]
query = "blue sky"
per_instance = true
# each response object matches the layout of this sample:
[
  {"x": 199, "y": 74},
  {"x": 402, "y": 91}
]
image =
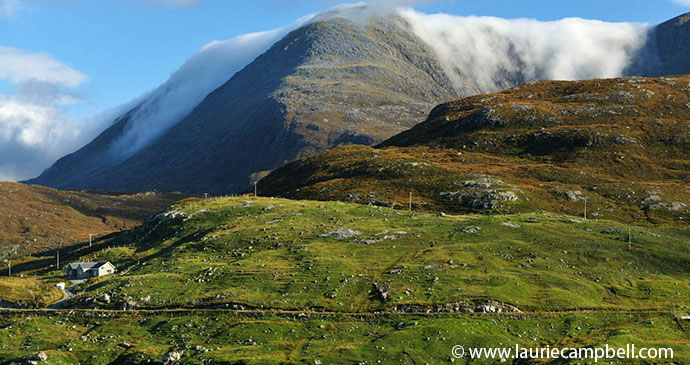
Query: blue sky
[{"x": 62, "y": 62}]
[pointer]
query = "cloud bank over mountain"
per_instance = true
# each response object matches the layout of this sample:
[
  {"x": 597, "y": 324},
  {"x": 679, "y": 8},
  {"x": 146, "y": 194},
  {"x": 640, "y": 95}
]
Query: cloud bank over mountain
[
  {"x": 474, "y": 50},
  {"x": 206, "y": 70},
  {"x": 481, "y": 50}
]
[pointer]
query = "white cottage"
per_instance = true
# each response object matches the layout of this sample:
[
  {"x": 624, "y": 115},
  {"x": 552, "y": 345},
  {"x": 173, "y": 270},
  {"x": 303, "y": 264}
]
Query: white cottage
[{"x": 83, "y": 270}]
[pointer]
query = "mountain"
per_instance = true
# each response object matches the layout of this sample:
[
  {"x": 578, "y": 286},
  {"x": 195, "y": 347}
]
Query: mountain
[
  {"x": 344, "y": 78},
  {"x": 622, "y": 144},
  {"x": 666, "y": 51},
  {"x": 326, "y": 84},
  {"x": 35, "y": 218}
]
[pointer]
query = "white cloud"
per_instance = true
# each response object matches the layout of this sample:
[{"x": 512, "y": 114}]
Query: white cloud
[
  {"x": 478, "y": 52},
  {"x": 8, "y": 8},
  {"x": 34, "y": 126},
  {"x": 682, "y": 2},
  {"x": 19, "y": 66},
  {"x": 399, "y": 3}
]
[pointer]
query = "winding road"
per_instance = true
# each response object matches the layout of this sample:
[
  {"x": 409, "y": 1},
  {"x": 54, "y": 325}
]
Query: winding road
[{"x": 67, "y": 295}]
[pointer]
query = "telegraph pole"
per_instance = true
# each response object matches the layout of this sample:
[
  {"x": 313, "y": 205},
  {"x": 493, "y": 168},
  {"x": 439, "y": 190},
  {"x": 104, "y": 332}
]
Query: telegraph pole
[
  {"x": 90, "y": 239},
  {"x": 9, "y": 268},
  {"x": 57, "y": 259},
  {"x": 255, "y": 190},
  {"x": 410, "y": 201}
]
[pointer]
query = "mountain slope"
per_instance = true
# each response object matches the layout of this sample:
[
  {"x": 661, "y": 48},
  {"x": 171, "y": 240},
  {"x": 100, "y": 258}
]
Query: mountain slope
[
  {"x": 666, "y": 51},
  {"x": 35, "y": 218},
  {"x": 623, "y": 143},
  {"x": 329, "y": 83}
]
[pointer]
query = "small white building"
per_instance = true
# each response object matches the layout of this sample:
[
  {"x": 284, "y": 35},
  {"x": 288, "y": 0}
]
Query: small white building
[
  {"x": 83, "y": 270},
  {"x": 60, "y": 286}
]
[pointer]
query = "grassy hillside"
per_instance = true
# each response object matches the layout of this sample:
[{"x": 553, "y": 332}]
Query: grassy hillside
[
  {"x": 273, "y": 253},
  {"x": 255, "y": 280},
  {"x": 35, "y": 218},
  {"x": 622, "y": 143}
]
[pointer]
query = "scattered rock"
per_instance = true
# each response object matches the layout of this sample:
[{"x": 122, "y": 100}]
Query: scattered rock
[
  {"x": 129, "y": 304},
  {"x": 511, "y": 224},
  {"x": 472, "y": 229},
  {"x": 342, "y": 233},
  {"x": 493, "y": 306},
  {"x": 169, "y": 215},
  {"x": 671, "y": 207},
  {"x": 651, "y": 199},
  {"x": 483, "y": 183},
  {"x": 488, "y": 199},
  {"x": 383, "y": 204}
]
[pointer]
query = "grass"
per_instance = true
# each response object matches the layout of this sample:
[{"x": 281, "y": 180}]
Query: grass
[
  {"x": 271, "y": 253},
  {"x": 577, "y": 282},
  {"x": 267, "y": 339},
  {"x": 28, "y": 292}
]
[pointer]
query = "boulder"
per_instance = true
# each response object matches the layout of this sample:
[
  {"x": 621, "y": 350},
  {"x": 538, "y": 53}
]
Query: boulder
[
  {"x": 382, "y": 291},
  {"x": 172, "y": 356},
  {"x": 574, "y": 195},
  {"x": 37, "y": 357}
]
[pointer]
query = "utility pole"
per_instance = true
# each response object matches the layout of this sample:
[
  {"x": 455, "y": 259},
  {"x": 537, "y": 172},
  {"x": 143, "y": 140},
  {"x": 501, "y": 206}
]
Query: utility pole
[
  {"x": 255, "y": 190},
  {"x": 90, "y": 239},
  {"x": 57, "y": 259},
  {"x": 410, "y": 201},
  {"x": 9, "y": 268},
  {"x": 205, "y": 195},
  {"x": 585, "y": 208}
]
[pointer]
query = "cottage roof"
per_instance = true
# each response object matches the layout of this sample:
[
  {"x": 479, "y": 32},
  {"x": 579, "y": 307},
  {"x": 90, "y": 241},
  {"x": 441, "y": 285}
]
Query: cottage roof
[{"x": 85, "y": 266}]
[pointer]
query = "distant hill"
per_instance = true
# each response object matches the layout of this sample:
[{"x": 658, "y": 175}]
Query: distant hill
[
  {"x": 624, "y": 144},
  {"x": 337, "y": 81},
  {"x": 35, "y": 218}
]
